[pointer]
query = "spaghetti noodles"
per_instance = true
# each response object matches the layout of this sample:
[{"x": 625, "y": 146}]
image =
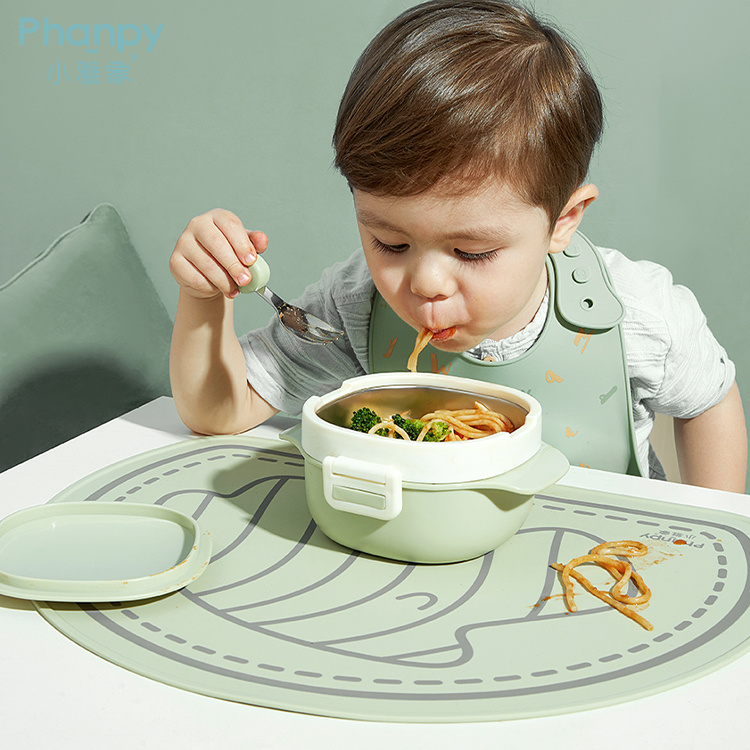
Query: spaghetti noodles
[
  {"x": 471, "y": 423},
  {"x": 604, "y": 556},
  {"x": 463, "y": 424},
  {"x": 423, "y": 338}
]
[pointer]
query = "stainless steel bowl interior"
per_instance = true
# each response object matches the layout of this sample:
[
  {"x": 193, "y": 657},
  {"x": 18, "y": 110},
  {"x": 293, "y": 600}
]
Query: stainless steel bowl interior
[{"x": 416, "y": 400}]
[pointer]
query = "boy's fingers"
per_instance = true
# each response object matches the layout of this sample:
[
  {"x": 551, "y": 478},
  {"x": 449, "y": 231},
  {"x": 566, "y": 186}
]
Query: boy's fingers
[
  {"x": 259, "y": 240},
  {"x": 242, "y": 248},
  {"x": 211, "y": 268},
  {"x": 192, "y": 279},
  {"x": 221, "y": 249},
  {"x": 213, "y": 241}
]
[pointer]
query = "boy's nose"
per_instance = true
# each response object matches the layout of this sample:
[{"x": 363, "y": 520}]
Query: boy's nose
[{"x": 429, "y": 279}]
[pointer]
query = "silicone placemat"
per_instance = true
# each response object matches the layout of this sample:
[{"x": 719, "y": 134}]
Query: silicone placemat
[{"x": 283, "y": 617}]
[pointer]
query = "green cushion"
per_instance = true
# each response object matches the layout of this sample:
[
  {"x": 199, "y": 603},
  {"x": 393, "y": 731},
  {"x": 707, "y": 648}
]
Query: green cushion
[{"x": 84, "y": 337}]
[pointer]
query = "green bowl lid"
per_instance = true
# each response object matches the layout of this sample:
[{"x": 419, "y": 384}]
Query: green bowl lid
[{"x": 99, "y": 552}]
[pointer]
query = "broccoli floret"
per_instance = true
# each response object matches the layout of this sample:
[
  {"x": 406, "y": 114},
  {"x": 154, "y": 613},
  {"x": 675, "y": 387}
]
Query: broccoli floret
[
  {"x": 437, "y": 432},
  {"x": 364, "y": 419},
  {"x": 412, "y": 427}
]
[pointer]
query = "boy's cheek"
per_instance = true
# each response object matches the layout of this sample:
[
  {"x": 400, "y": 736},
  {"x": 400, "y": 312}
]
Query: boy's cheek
[{"x": 387, "y": 278}]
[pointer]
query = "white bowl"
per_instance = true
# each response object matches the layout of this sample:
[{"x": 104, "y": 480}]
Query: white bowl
[{"x": 417, "y": 501}]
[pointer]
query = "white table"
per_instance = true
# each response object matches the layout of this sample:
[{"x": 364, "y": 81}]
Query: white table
[{"x": 57, "y": 695}]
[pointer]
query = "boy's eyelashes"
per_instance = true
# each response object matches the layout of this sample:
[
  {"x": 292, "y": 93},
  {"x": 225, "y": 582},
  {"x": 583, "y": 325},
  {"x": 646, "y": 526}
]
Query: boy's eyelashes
[
  {"x": 470, "y": 257},
  {"x": 378, "y": 245},
  {"x": 475, "y": 257}
]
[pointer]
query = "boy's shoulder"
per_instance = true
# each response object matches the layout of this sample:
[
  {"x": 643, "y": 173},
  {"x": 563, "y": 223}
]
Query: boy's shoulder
[
  {"x": 675, "y": 364},
  {"x": 642, "y": 285},
  {"x": 662, "y": 319}
]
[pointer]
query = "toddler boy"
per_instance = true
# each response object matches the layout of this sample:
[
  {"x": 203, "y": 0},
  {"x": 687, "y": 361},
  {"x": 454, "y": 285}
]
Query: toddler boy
[{"x": 465, "y": 134}]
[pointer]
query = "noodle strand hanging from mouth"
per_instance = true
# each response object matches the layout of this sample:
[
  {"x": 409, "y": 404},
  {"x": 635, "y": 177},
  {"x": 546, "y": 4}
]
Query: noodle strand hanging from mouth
[{"x": 423, "y": 338}]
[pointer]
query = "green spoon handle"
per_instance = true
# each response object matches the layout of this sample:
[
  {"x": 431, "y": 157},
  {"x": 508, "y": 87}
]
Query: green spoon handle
[{"x": 261, "y": 273}]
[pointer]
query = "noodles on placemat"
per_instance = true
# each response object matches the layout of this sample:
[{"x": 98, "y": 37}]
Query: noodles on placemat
[
  {"x": 604, "y": 556},
  {"x": 423, "y": 338}
]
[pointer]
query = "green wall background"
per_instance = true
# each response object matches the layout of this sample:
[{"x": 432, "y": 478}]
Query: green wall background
[{"x": 235, "y": 104}]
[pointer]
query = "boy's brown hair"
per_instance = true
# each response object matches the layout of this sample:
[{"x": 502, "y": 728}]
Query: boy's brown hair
[{"x": 454, "y": 92}]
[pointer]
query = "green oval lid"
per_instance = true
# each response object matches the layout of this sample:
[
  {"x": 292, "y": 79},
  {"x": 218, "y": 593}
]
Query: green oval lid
[{"x": 99, "y": 552}]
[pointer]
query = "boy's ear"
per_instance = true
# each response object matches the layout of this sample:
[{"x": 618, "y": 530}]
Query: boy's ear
[{"x": 571, "y": 217}]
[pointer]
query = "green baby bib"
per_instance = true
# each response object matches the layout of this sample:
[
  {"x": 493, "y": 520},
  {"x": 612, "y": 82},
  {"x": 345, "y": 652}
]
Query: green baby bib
[{"x": 576, "y": 369}]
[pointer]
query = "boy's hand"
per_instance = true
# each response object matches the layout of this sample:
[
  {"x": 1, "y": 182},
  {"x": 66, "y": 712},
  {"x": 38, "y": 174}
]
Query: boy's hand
[{"x": 211, "y": 256}]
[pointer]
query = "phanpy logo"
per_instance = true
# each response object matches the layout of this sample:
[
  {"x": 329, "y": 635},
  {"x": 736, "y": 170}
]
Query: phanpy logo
[
  {"x": 120, "y": 36},
  {"x": 78, "y": 38}
]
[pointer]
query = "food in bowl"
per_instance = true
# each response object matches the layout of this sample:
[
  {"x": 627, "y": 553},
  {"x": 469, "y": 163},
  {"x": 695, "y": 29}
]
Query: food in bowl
[{"x": 442, "y": 425}]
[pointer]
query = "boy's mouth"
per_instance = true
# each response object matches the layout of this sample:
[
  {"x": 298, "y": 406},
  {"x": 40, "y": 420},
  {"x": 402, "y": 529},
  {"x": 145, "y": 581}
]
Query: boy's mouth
[{"x": 443, "y": 334}]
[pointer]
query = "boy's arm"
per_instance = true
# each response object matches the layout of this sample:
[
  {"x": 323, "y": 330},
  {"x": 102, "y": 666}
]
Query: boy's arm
[
  {"x": 207, "y": 370},
  {"x": 712, "y": 447},
  {"x": 206, "y": 364}
]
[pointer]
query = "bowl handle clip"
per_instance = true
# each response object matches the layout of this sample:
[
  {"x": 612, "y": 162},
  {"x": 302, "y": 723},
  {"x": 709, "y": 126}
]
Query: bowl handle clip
[{"x": 362, "y": 488}]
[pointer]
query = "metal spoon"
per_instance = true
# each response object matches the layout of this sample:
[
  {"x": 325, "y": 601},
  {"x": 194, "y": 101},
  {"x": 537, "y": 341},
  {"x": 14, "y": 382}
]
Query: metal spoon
[{"x": 299, "y": 322}]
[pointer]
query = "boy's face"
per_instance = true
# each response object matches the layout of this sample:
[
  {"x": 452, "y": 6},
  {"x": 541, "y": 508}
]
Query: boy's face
[{"x": 467, "y": 267}]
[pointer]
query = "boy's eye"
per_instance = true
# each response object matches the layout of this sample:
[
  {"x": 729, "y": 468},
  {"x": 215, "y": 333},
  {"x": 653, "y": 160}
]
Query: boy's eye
[
  {"x": 475, "y": 257},
  {"x": 464, "y": 256},
  {"x": 388, "y": 248}
]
